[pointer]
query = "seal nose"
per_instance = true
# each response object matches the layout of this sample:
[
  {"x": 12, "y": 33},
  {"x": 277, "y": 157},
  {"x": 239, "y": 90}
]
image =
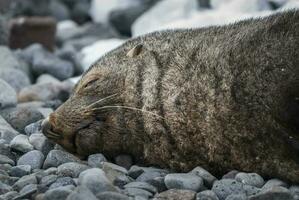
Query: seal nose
[{"x": 46, "y": 126}]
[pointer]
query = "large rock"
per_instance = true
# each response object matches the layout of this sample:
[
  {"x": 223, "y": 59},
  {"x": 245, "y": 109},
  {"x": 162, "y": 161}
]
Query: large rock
[
  {"x": 21, "y": 143},
  {"x": 41, "y": 143},
  {"x": 225, "y": 187},
  {"x": 207, "y": 177},
  {"x": 252, "y": 179},
  {"x": 112, "y": 171},
  {"x": 16, "y": 78},
  {"x": 28, "y": 30},
  {"x": 184, "y": 181},
  {"x": 8, "y": 96}
]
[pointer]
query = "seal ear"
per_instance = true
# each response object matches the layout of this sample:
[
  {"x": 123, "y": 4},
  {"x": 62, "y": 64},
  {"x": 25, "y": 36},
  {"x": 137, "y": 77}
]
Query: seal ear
[{"x": 135, "y": 51}]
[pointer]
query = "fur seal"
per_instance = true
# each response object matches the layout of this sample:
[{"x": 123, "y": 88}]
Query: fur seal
[{"x": 222, "y": 97}]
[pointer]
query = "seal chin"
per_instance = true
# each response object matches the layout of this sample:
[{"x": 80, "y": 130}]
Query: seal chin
[{"x": 67, "y": 142}]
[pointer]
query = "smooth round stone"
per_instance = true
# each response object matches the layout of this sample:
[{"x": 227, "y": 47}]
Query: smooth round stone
[
  {"x": 41, "y": 143},
  {"x": 16, "y": 78},
  {"x": 48, "y": 180},
  {"x": 207, "y": 177},
  {"x": 33, "y": 158},
  {"x": 113, "y": 171},
  {"x": 173, "y": 194},
  {"x": 206, "y": 195},
  {"x": 95, "y": 180},
  {"x": 58, "y": 157},
  {"x": 252, "y": 179},
  {"x": 21, "y": 116},
  {"x": 60, "y": 193},
  {"x": 81, "y": 192},
  {"x": 21, "y": 143},
  {"x": 47, "y": 78},
  {"x": 274, "y": 193},
  {"x": 95, "y": 160},
  {"x": 62, "y": 181},
  {"x": 225, "y": 187},
  {"x": 138, "y": 192},
  {"x": 124, "y": 160},
  {"x": 184, "y": 181},
  {"x": 8, "y": 96},
  {"x": 112, "y": 196},
  {"x": 142, "y": 185},
  {"x": 71, "y": 169},
  {"x": 4, "y": 188},
  {"x": 149, "y": 176},
  {"x": 20, "y": 170},
  {"x": 25, "y": 180},
  {"x": 27, "y": 191},
  {"x": 274, "y": 183},
  {"x": 6, "y": 160}
]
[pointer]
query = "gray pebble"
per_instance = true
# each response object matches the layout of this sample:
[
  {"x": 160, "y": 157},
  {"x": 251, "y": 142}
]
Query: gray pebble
[
  {"x": 112, "y": 171},
  {"x": 95, "y": 160},
  {"x": 58, "y": 157},
  {"x": 81, "y": 193},
  {"x": 8, "y": 180},
  {"x": 274, "y": 182},
  {"x": 252, "y": 179},
  {"x": 48, "y": 180},
  {"x": 62, "y": 181},
  {"x": 112, "y": 196},
  {"x": 95, "y": 180},
  {"x": 135, "y": 171},
  {"x": 8, "y": 96},
  {"x": 25, "y": 180},
  {"x": 4, "y": 188},
  {"x": 225, "y": 187},
  {"x": 142, "y": 185},
  {"x": 124, "y": 160},
  {"x": 6, "y": 160},
  {"x": 60, "y": 193},
  {"x": 71, "y": 169},
  {"x": 174, "y": 194},
  {"x": 274, "y": 193},
  {"x": 230, "y": 175},
  {"x": 148, "y": 176},
  {"x": 33, "y": 128},
  {"x": 33, "y": 158},
  {"x": 7, "y": 133},
  {"x": 41, "y": 143},
  {"x": 27, "y": 191},
  {"x": 47, "y": 78},
  {"x": 205, "y": 175},
  {"x": 16, "y": 78},
  {"x": 184, "y": 181},
  {"x": 138, "y": 192},
  {"x": 206, "y": 195},
  {"x": 20, "y": 170},
  {"x": 21, "y": 143},
  {"x": 251, "y": 190}
]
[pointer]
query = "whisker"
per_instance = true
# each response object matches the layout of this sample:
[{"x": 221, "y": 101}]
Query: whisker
[
  {"x": 127, "y": 107},
  {"x": 101, "y": 100}
]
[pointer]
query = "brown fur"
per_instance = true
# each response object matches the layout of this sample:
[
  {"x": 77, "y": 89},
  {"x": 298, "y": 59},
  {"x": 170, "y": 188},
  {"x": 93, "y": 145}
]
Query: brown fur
[{"x": 221, "y": 97}]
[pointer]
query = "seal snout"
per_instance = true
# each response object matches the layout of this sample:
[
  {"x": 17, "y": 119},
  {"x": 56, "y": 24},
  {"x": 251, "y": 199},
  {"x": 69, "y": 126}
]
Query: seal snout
[{"x": 47, "y": 130}]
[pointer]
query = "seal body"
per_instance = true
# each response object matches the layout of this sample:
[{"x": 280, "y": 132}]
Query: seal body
[{"x": 220, "y": 97}]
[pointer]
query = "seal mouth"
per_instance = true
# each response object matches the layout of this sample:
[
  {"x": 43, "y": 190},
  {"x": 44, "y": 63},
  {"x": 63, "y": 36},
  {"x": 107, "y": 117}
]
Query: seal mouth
[{"x": 48, "y": 130}]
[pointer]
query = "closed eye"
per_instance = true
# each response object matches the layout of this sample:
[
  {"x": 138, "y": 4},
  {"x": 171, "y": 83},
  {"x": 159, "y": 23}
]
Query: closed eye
[{"x": 90, "y": 82}]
